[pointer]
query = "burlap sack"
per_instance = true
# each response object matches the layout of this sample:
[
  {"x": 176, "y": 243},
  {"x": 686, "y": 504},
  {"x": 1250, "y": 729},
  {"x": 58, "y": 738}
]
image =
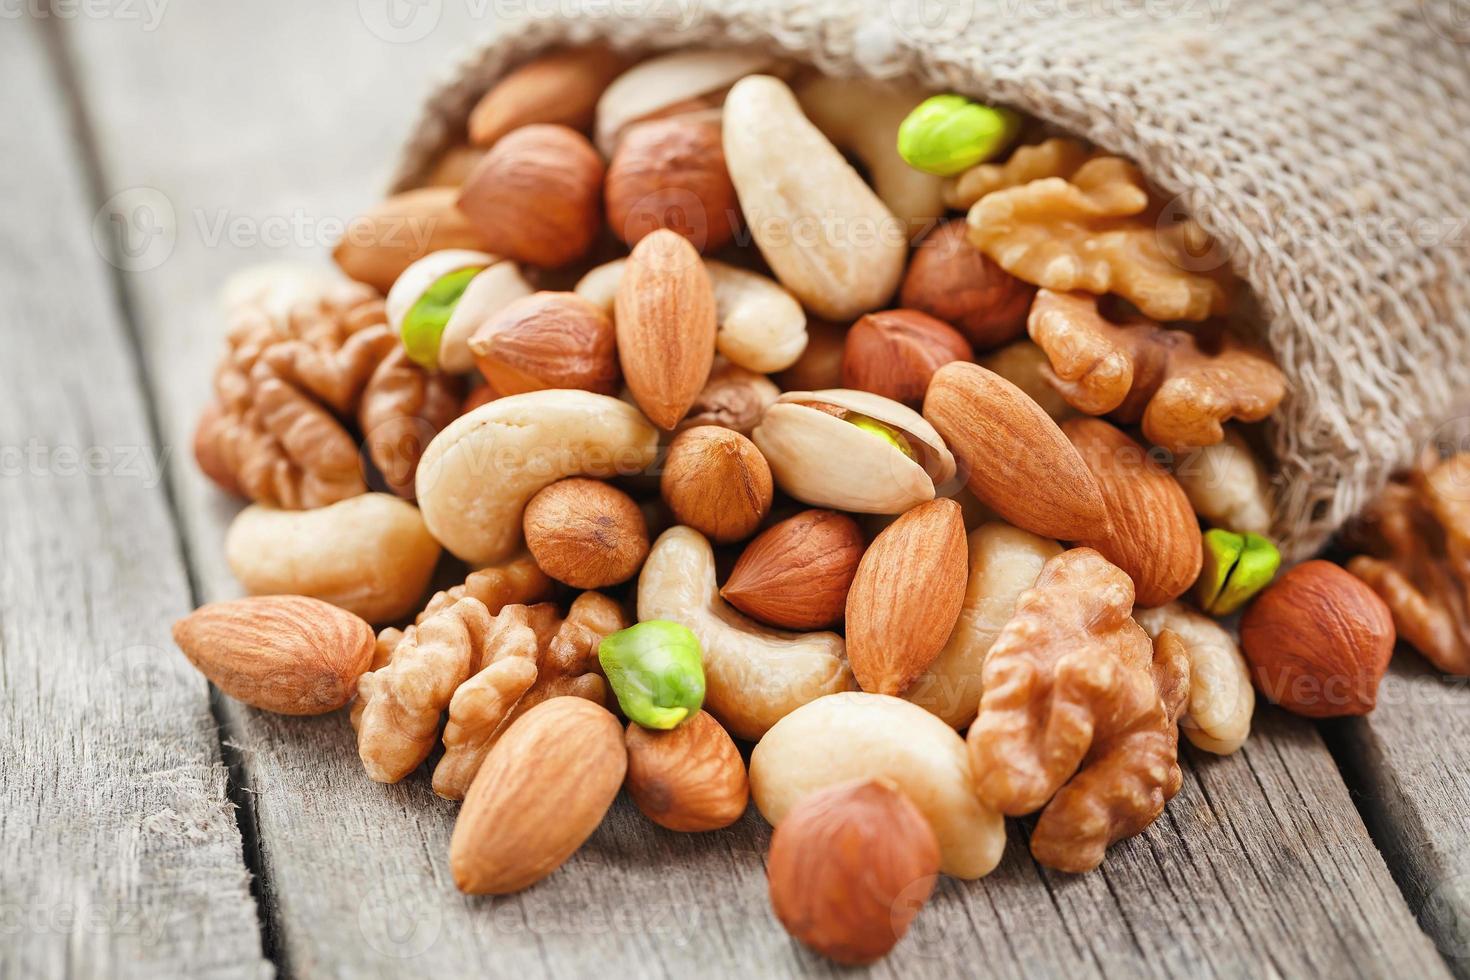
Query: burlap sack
[{"x": 1326, "y": 146}]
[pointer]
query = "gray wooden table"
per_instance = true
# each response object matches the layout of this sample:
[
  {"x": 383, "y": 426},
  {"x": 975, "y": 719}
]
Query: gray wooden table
[{"x": 149, "y": 827}]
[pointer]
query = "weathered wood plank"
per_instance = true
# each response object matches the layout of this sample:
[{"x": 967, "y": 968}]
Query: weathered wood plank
[
  {"x": 119, "y": 851},
  {"x": 1260, "y": 867},
  {"x": 1408, "y": 766}
]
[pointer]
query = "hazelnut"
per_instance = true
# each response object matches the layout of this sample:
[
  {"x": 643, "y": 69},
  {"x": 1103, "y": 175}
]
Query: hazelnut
[
  {"x": 796, "y": 574},
  {"x": 850, "y": 866},
  {"x": 1319, "y": 642},
  {"x": 951, "y": 279},
  {"x": 536, "y": 196},
  {"x": 548, "y": 340},
  {"x": 820, "y": 366},
  {"x": 585, "y": 533},
  {"x": 734, "y": 397},
  {"x": 670, "y": 173},
  {"x": 716, "y": 481},
  {"x": 690, "y": 778},
  {"x": 894, "y": 354}
]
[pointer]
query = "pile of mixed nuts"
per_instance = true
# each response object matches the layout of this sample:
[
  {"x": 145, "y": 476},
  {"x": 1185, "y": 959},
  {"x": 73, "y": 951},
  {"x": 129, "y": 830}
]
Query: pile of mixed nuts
[{"x": 912, "y": 490}]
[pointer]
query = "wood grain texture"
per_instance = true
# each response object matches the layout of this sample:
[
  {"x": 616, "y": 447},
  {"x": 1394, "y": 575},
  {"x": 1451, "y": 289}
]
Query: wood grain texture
[
  {"x": 119, "y": 851},
  {"x": 1261, "y": 866},
  {"x": 1409, "y": 766}
]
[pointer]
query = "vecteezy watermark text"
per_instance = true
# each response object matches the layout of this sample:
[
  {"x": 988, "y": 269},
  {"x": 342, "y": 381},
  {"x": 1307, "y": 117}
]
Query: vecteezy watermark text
[{"x": 148, "y": 13}]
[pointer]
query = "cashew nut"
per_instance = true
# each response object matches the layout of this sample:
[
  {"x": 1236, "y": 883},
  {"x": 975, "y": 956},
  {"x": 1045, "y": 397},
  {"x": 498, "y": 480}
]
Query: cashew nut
[
  {"x": 689, "y": 80},
  {"x": 370, "y": 554},
  {"x": 476, "y": 476},
  {"x": 827, "y": 236},
  {"x": 760, "y": 326},
  {"x": 1221, "y": 698},
  {"x": 754, "y": 676},
  {"x": 275, "y": 287},
  {"x": 853, "y": 735},
  {"x": 1004, "y": 562},
  {"x": 1227, "y": 485},
  {"x": 862, "y": 117}
]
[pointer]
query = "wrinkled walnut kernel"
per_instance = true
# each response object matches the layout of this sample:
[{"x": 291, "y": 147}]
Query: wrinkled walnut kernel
[{"x": 1182, "y": 385}]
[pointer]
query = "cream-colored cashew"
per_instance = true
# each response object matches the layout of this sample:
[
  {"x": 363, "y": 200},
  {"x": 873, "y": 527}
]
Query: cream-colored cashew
[
  {"x": 754, "y": 676},
  {"x": 1004, "y": 562},
  {"x": 1227, "y": 485},
  {"x": 858, "y": 735},
  {"x": 862, "y": 117},
  {"x": 1024, "y": 365},
  {"x": 275, "y": 287},
  {"x": 826, "y": 235},
  {"x": 370, "y": 554},
  {"x": 1221, "y": 698},
  {"x": 759, "y": 326},
  {"x": 476, "y": 475},
  {"x": 685, "y": 79}
]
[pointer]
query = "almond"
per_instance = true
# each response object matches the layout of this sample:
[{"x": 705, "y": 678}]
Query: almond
[
  {"x": 906, "y": 597},
  {"x": 559, "y": 87},
  {"x": 850, "y": 866},
  {"x": 537, "y": 196},
  {"x": 716, "y": 481},
  {"x": 690, "y": 778},
  {"x": 896, "y": 352},
  {"x": 392, "y": 235},
  {"x": 284, "y": 653},
  {"x": 670, "y": 173},
  {"x": 547, "y": 340},
  {"x": 665, "y": 319},
  {"x": 540, "y": 793},
  {"x": 797, "y": 573},
  {"x": 1155, "y": 536},
  {"x": 1019, "y": 462}
]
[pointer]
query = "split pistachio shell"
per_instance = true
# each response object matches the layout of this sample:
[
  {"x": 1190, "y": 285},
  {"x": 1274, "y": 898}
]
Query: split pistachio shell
[
  {"x": 477, "y": 474},
  {"x": 654, "y": 87},
  {"x": 654, "y": 669},
  {"x": 441, "y": 340},
  {"x": 853, "y": 735},
  {"x": 1221, "y": 697},
  {"x": 1236, "y": 567},
  {"x": 759, "y": 326},
  {"x": 827, "y": 461},
  {"x": 754, "y": 675}
]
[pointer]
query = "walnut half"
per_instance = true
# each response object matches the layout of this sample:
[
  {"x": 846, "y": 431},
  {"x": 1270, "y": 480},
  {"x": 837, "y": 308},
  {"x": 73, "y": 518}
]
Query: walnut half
[
  {"x": 1182, "y": 385},
  {"x": 1080, "y": 714}
]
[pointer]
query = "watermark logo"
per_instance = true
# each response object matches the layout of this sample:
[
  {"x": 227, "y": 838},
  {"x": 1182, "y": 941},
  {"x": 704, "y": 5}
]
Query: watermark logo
[
  {"x": 928, "y": 21},
  {"x": 136, "y": 229},
  {"x": 399, "y": 917},
  {"x": 400, "y": 21},
  {"x": 1448, "y": 18}
]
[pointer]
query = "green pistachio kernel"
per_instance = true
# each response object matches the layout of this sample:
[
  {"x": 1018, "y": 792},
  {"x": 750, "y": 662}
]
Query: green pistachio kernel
[
  {"x": 948, "y": 134},
  {"x": 1236, "y": 567},
  {"x": 655, "y": 671},
  {"x": 425, "y": 321},
  {"x": 887, "y": 433}
]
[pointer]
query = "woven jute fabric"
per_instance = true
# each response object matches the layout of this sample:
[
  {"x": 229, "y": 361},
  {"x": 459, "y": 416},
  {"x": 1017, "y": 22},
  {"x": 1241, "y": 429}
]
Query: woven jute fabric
[{"x": 1325, "y": 145}]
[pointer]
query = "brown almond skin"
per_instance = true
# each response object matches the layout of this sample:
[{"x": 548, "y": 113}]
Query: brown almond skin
[
  {"x": 540, "y": 793},
  {"x": 665, "y": 320},
  {"x": 560, "y": 87},
  {"x": 951, "y": 279},
  {"x": 284, "y": 653},
  {"x": 670, "y": 173},
  {"x": 894, "y": 353},
  {"x": 796, "y": 574},
  {"x": 585, "y": 533},
  {"x": 1155, "y": 536},
  {"x": 537, "y": 196},
  {"x": 906, "y": 596},
  {"x": 850, "y": 866},
  {"x": 716, "y": 481},
  {"x": 690, "y": 778},
  {"x": 548, "y": 340},
  {"x": 1319, "y": 641},
  {"x": 393, "y": 234},
  {"x": 1019, "y": 462}
]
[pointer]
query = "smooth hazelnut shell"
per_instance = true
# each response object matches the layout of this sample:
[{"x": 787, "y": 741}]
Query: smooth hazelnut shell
[
  {"x": 894, "y": 353},
  {"x": 952, "y": 280},
  {"x": 1319, "y": 642},
  {"x": 670, "y": 173}
]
